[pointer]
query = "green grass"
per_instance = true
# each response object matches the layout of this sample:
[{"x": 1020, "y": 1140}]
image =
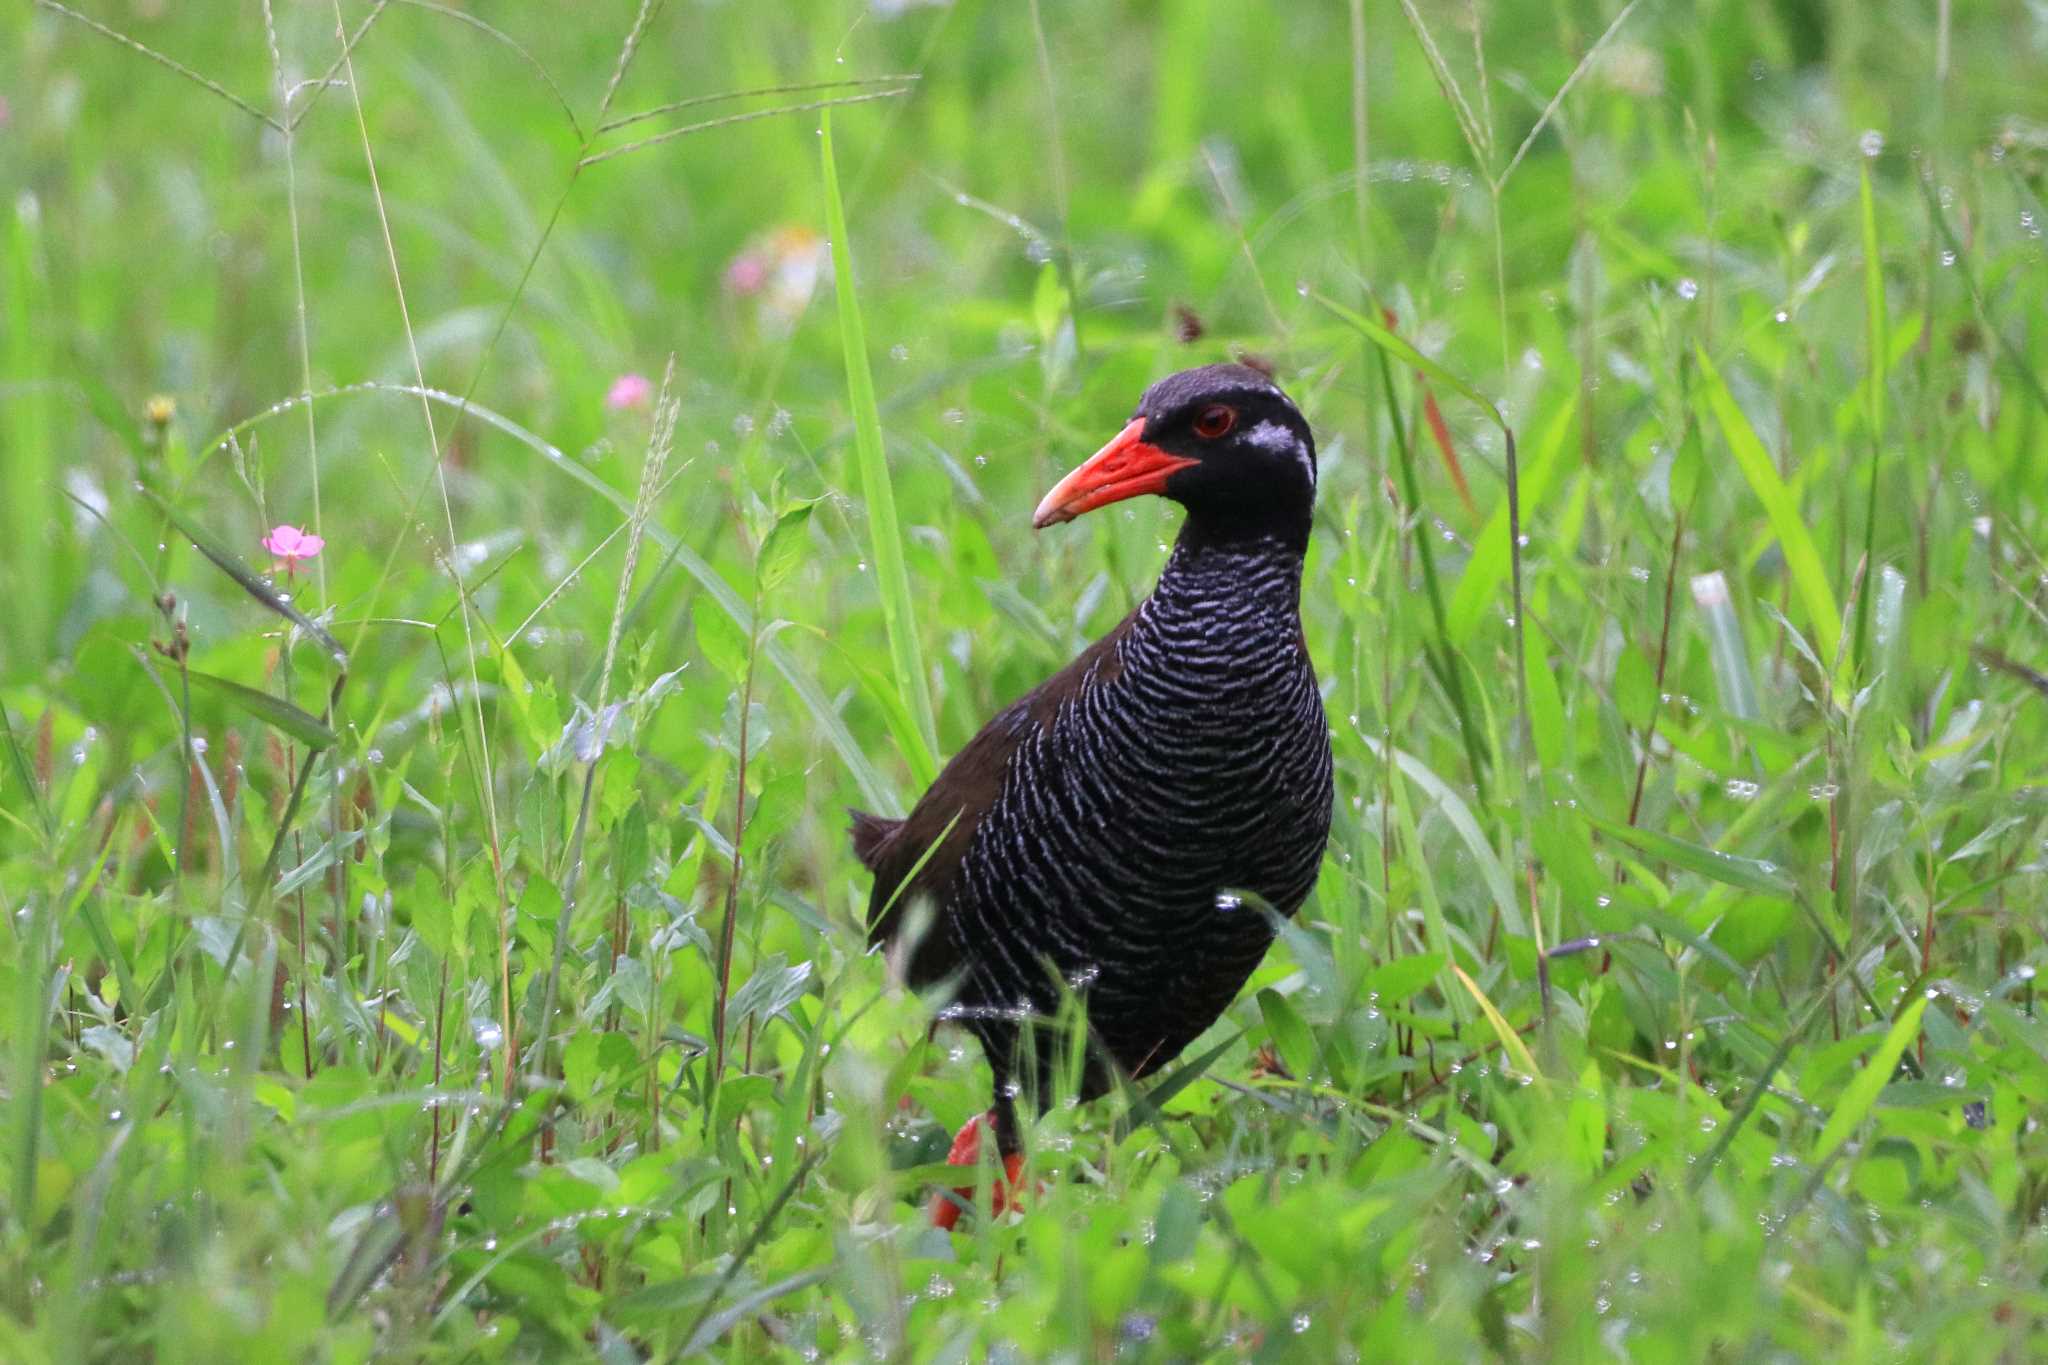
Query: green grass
[{"x": 490, "y": 984}]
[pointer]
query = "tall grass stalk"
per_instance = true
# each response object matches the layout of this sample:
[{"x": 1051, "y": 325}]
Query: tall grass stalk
[{"x": 885, "y": 540}]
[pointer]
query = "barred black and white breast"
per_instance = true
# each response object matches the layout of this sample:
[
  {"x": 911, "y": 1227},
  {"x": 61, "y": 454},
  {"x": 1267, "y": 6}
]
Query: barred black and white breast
[{"x": 1099, "y": 836}]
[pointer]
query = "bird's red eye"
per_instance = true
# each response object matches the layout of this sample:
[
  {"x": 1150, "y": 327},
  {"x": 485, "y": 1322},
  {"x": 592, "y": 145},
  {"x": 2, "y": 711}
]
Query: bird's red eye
[{"x": 1215, "y": 421}]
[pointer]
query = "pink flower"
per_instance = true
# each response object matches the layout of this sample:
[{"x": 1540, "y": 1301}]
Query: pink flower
[
  {"x": 629, "y": 391},
  {"x": 747, "y": 273},
  {"x": 289, "y": 545}
]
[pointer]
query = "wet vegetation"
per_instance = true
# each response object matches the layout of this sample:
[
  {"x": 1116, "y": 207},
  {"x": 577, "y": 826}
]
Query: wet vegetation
[{"x": 441, "y": 941}]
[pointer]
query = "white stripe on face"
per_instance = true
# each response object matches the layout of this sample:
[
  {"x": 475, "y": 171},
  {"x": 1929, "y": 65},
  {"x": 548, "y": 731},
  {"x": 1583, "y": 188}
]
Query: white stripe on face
[{"x": 1277, "y": 438}]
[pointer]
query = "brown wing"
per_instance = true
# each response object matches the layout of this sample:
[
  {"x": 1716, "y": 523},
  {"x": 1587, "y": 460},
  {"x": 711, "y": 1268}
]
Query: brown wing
[{"x": 946, "y": 816}]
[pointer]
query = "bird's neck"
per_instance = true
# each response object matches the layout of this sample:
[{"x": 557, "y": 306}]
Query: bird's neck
[
  {"x": 1262, "y": 571},
  {"x": 1278, "y": 516}
]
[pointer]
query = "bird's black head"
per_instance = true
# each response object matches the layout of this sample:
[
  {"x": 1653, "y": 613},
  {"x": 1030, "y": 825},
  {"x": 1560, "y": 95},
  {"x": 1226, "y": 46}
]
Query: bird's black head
[{"x": 1223, "y": 441}]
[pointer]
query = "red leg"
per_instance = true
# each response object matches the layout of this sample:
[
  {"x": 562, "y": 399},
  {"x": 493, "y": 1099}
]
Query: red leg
[{"x": 945, "y": 1209}]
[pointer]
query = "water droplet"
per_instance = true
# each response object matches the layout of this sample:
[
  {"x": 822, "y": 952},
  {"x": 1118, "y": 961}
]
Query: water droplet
[{"x": 1871, "y": 143}]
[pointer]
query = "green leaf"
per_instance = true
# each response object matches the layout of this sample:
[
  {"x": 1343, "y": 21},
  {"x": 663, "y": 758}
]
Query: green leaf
[
  {"x": 784, "y": 548},
  {"x": 1751, "y": 874},
  {"x": 1809, "y": 578},
  {"x": 1862, "y": 1091},
  {"x": 1635, "y": 686},
  {"x": 1586, "y": 1123},
  {"x": 723, "y": 644},
  {"x": 303, "y": 726},
  {"x": 771, "y": 990},
  {"x": 1394, "y": 982},
  {"x": 1296, "y": 1045}
]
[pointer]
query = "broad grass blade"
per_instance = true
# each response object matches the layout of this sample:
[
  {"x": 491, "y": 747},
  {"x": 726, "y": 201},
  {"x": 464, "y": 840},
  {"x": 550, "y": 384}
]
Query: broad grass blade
[
  {"x": 1725, "y": 645},
  {"x": 1862, "y": 1092},
  {"x": 275, "y": 712},
  {"x": 892, "y": 580},
  {"x": 1750, "y": 874},
  {"x": 1809, "y": 579},
  {"x": 1510, "y": 1041}
]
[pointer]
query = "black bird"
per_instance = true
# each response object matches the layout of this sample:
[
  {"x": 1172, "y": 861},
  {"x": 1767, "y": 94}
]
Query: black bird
[{"x": 1093, "y": 839}]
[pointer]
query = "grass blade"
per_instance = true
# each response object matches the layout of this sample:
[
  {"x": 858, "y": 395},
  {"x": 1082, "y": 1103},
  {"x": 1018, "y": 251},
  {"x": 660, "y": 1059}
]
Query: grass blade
[
  {"x": 687, "y": 129},
  {"x": 1733, "y": 680},
  {"x": 30, "y": 572},
  {"x": 1809, "y": 579},
  {"x": 276, "y": 712},
  {"x": 1488, "y": 566},
  {"x": 1873, "y": 394},
  {"x": 1750, "y": 874},
  {"x": 892, "y": 580},
  {"x": 1406, "y": 353},
  {"x": 1510, "y": 1041},
  {"x": 1861, "y": 1093}
]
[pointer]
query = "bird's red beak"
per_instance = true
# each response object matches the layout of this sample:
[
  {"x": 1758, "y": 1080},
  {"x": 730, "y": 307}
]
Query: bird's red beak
[{"x": 1124, "y": 468}]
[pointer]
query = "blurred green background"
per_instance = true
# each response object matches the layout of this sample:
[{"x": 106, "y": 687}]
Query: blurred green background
[{"x": 1668, "y": 996}]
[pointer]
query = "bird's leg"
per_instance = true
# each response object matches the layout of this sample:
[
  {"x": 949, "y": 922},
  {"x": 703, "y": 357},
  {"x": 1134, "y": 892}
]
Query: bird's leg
[{"x": 946, "y": 1205}]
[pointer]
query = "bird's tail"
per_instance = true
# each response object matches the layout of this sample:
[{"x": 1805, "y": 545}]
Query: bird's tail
[{"x": 870, "y": 832}]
